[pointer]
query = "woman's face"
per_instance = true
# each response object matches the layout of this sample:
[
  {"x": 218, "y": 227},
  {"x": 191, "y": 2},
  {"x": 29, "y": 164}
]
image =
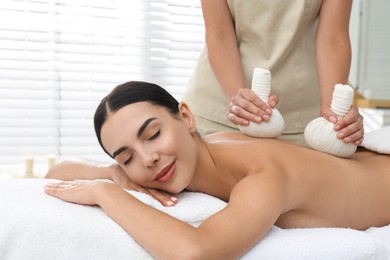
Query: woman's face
[{"x": 153, "y": 147}]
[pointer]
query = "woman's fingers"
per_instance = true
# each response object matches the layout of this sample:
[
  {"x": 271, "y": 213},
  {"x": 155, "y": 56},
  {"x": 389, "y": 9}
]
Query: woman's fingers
[
  {"x": 63, "y": 185},
  {"x": 164, "y": 198},
  {"x": 78, "y": 191}
]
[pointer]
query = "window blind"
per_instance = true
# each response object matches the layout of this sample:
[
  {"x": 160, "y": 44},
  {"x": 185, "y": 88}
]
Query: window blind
[{"x": 58, "y": 58}]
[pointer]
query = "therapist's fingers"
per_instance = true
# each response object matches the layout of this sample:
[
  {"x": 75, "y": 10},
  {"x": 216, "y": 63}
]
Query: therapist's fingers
[
  {"x": 328, "y": 114},
  {"x": 237, "y": 115},
  {"x": 254, "y": 104},
  {"x": 354, "y": 135},
  {"x": 352, "y": 117},
  {"x": 273, "y": 101},
  {"x": 350, "y": 128},
  {"x": 246, "y": 106}
]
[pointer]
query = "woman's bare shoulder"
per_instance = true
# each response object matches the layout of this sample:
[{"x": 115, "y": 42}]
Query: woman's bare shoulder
[
  {"x": 227, "y": 137},
  {"x": 234, "y": 140}
]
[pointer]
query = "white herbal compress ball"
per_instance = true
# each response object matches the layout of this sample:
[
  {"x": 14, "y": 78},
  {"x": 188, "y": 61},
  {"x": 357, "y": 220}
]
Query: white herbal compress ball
[
  {"x": 319, "y": 133},
  {"x": 261, "y": 85}
]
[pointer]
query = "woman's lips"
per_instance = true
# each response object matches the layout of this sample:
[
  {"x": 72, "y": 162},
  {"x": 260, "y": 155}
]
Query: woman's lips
[{"x": 166, "y": 174}]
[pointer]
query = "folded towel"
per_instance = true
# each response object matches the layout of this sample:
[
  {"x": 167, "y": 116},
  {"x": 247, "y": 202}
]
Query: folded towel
[{"x": 378, "y": 140}]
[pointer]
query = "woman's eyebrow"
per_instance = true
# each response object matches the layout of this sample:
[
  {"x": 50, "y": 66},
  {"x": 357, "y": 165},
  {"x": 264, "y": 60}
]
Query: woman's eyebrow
[
  {"x": 144, "y": 125},
  {"x": 139, "y": 133},
  {"x": 117, "y": 152}
]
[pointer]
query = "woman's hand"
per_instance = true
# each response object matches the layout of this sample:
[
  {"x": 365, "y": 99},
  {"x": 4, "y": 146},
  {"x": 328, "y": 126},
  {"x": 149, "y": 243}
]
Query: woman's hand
[
  {"x": 246, "y": 107},
  {"x": 121, "y": 179},
  {"x": 77, "y": 191},
  {"x": 77, "y": 169},
  {"x": 349, "y": 128}
]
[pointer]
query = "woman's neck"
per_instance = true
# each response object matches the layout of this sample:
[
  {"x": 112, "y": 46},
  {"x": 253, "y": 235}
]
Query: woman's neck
[{"x": 208, "y": 177}]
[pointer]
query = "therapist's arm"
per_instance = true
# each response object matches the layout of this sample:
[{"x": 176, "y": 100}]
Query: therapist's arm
[
  {"x": 333, "y": 52},
  {"x": 225, "y": 61}
]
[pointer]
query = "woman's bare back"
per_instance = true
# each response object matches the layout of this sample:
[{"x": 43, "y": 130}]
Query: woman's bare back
[{"x": 323, "y": 190}]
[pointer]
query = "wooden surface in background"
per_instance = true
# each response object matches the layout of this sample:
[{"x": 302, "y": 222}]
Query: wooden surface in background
[{"x": 361, "y": 101}]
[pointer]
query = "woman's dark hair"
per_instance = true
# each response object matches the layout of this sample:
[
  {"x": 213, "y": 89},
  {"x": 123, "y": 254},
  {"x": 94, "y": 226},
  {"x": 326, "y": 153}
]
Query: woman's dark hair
[{"x": 129, "y": 93}]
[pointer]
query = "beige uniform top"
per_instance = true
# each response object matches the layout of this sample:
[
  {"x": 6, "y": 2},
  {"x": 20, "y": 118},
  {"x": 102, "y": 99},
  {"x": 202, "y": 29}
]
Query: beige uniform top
[{"x": 272, "y": 34}]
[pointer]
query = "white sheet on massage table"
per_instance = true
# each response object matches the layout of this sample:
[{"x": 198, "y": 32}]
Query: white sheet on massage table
[{"x": 34, "y": 225}]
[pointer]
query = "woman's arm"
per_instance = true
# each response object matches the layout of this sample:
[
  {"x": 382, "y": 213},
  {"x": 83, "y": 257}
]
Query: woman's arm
[
  {"x": 333, "y": 52},
  {"x": 83, "y": 169},
  {"x": 255, "y": 204},
  {"x": 225, "y": 61},
  {"x": 90, "y": 170}
]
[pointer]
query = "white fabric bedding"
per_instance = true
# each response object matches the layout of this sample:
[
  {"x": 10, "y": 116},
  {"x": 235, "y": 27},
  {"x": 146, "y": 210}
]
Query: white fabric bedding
[
  {"x": 34, "y": 225},
  {"x": 378, "y": 140}
]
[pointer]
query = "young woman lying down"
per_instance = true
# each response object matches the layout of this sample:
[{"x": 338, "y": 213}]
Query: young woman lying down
[{"x": 266, "y": 182}]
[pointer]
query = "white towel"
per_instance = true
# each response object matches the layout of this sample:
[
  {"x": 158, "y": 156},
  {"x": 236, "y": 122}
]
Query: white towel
[
  {"x": 378, "y": 140},
  {"x": 34, "y": 225}
]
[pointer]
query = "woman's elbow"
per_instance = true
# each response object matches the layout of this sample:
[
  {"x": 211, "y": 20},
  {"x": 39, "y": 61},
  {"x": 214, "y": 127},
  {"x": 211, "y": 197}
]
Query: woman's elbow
[
  {"x": 193, "y": 251},
  {"x": 199, "y": 250},
  {"x": 59, "y": 171}
]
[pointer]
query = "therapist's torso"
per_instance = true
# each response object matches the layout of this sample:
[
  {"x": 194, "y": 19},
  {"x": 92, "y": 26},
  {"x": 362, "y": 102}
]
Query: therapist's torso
[{"x": 273, "y": 34}]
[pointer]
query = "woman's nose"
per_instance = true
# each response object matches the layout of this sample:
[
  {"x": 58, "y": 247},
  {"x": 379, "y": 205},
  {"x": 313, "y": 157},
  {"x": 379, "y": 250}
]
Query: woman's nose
[{"x": 150, "y": 159}]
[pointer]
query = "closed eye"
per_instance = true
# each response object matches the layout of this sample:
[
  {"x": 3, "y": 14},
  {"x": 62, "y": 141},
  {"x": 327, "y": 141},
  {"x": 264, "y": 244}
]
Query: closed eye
[
  {"x": 128, "y": 160},
  {"x": 154, "y": 136}
]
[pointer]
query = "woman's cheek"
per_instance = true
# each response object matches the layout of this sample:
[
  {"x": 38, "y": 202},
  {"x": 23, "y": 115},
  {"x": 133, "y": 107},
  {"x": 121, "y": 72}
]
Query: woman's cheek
[
  {"x": 135, "y": 173},
  {"x": 167, "y": 144}
]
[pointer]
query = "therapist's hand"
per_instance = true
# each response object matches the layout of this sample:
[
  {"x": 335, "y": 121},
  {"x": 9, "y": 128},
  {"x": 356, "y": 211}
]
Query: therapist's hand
[
  {"x": 349, "y": 128},
  {"x": 246, "y": 107}
]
